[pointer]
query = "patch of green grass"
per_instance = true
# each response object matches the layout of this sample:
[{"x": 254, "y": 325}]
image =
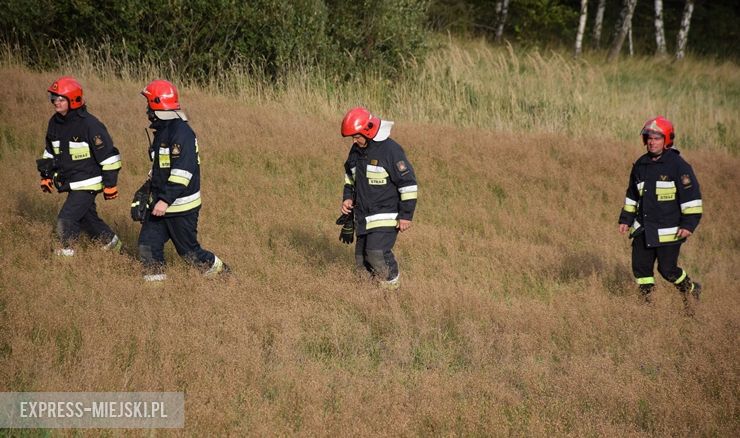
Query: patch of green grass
[{"x": 68, "y": 341}]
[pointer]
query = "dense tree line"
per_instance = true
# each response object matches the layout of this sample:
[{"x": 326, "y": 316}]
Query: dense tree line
[
  {"x": 202, "y": 36},
  {"x": 348, "y": 37}
]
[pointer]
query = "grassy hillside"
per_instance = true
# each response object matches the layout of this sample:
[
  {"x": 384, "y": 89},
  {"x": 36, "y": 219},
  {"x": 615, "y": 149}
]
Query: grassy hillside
[{"x": 517, "y": 313}]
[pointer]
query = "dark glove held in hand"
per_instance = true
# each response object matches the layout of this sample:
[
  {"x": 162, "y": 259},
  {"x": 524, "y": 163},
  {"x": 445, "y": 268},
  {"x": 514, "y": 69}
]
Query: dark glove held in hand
[
  {"x": 140, "y": 203},
  {"x": 347, "y": 235}
]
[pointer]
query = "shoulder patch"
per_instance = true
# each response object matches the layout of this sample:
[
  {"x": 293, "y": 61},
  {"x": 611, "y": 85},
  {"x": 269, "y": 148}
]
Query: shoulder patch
[
  {"x": 686, "y": 180},
  {"x": 401, "y": 166},
  {"x": 98, "y": 140},
  {"x": 175, "y": 151}
]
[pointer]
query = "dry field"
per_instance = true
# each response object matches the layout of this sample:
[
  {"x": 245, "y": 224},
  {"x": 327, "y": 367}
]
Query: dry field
[{"x": 517, "y": 313}]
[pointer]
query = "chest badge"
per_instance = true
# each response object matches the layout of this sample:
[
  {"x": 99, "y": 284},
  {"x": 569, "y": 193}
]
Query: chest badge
[
  {"x": 664, "y": 177},
  {"x": 373, "y": 162}
]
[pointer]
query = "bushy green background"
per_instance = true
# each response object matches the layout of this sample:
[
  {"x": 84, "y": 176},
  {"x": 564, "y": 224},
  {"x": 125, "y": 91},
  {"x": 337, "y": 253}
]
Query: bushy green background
[{"x": 200, "y": 39}]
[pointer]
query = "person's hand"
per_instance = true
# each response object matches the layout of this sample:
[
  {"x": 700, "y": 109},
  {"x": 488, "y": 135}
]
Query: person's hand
[
  {"x": 347, "y": 206},
  {"x": 110, "y": 193},
  {"x": 403, "y": 225},
  {"x": 159, "y": 208},
  {"x": 47, "y": 185},
  {"x": 683, "y": 233},
  {"x": 623, "y": 228}
]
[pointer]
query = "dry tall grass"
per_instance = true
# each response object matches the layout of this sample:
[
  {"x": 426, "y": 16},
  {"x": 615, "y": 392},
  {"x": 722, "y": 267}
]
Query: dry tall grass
[{"x": 517, "y": 314}]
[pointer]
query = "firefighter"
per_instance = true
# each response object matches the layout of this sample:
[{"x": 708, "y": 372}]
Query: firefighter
[
  {"x": 80, "y": 159},
  {"x": 379, "y": 196},
  {"x": 175, "y": 197},
  {"x": 662, "y": 209}
]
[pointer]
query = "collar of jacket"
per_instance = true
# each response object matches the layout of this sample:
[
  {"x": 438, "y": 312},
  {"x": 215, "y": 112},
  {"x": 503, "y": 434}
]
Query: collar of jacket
[
  {"x": 160, "y": 124},
  {"x": 377, "y": 143},
  {"x": 667, "y": 156},
  {"x": 71, "y": 115}
]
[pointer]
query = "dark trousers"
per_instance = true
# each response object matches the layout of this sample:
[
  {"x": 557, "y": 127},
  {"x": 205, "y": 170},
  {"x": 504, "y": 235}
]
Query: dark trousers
[
  {"x": 183, "y": 230},
  {"x": 373, "y": 252},
  {"x": 643, "y": 260},
  {"x": 79, "y": 214}
]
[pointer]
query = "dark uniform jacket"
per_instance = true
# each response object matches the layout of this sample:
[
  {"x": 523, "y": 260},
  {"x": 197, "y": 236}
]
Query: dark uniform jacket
[
  {"x": 662, "y": 196},
  {"x": 175, "y": 167},
  {"x": 383, "y": 184},
  {"x": 81, "y": 151}
]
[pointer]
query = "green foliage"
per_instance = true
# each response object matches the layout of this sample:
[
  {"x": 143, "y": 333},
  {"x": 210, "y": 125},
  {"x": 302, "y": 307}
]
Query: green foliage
[
  {"x": 201, "y": 38},
  {"x": 528, "y": 21},
  {"x": 542, "y": 21},
  {"x": 386, "y": 33}
]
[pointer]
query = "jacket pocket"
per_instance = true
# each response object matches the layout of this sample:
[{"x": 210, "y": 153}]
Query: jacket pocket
[
  {"x": 665, "y": 190},
  {"x": 79, "y": 150},
  {"x": 376, "y": 175}
]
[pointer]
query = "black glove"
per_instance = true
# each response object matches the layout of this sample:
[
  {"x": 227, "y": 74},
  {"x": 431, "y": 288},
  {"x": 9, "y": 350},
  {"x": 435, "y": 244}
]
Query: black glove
[
  {"x": 45, "y": 167},
  {"x": 140, "y": 203},
  {"x": 347, "y": 235}
]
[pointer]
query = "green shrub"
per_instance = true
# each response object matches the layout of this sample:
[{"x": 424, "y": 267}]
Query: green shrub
[{"x": 202, "y": 38}]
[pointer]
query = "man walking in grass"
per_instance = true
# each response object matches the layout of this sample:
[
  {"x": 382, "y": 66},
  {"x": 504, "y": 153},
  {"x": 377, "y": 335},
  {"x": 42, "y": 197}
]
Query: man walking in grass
[
  {"x": 174, "y": 203},
  {"x": 662, "y": 209},
  {"x": 80, "y": 159},
  {"x": 379, "y": 194}
]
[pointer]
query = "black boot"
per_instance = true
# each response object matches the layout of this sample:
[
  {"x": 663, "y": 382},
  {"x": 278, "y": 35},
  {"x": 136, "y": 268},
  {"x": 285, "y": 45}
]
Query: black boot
[
  {"x": 646, "y": 292},
  {"x": 692, "y": 289},
  {"x": 696, "y": 293},
  {"x": 687, "y": 286}
]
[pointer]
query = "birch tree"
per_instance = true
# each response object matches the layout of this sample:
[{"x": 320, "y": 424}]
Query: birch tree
[
  {"x": 660, "y": 46},
  {"x": 683, "y": 33},
  {"x": 581, "y": 28},
  {"x": 598, "y": 22},
  {"x": 502, "y": 10},
  {"x": 623, "y": 27}
]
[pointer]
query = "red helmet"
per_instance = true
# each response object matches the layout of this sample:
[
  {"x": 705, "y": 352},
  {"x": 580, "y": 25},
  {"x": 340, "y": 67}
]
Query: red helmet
[
  {"x": 161, "y": 95},
  {"x": 68, "y": 87},
  {"x": 359, "y": 121},
  {"x": 659, "y": 125}
]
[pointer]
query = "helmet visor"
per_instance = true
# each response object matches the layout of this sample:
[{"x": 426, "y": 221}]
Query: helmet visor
[
  {"x": 652, "y": 133},
  {"x": 54, "y": 98}
]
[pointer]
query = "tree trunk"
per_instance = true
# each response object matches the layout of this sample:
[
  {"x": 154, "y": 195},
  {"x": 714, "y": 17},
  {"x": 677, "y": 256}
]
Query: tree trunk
[
  {"x": 683, "y": 34},
  {"x": 502, "y": 13},
  {"x": 581, "y": 27},
  {"x": 629, "y": 40},
  {"x": 622, "y": 29},
  {"x": 660, "y": 46},
  {"x": 598, "y": 21}
]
